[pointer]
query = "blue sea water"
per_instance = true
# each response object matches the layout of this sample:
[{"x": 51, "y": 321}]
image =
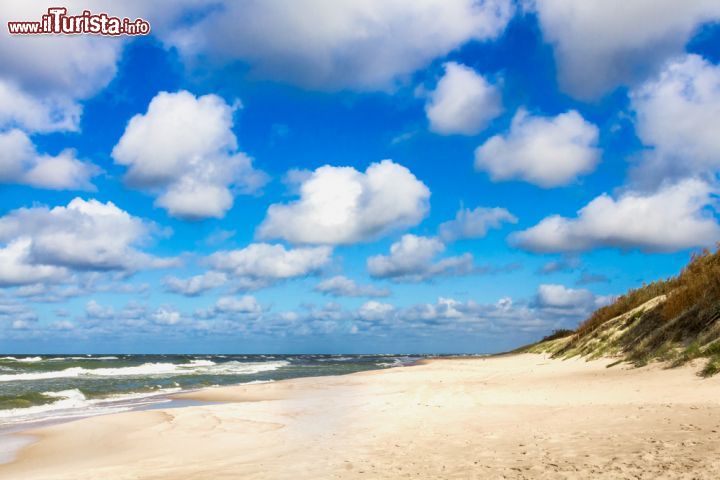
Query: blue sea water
[{"x": 41, "y": 388}]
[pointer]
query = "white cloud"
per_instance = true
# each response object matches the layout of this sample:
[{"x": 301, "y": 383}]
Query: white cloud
[
  {"x": 443, "y": 317},
  {"x": 244, "y": 304},
  {"x": 42, "y": 77},
  {"x": 85, "y": 235},
  {"x": 443, "y": 309},
  {"x": 412, "y": 259},
  {"x": 559, "y": 296},
  {"x": 676, "y": 115},
  {"x": 553, "y": 306},
  {"x": 12, "y": 310},
  {"x": 132, "y": 319},
  {"x": 374, "y": 311},
  {"x": 78, "y": 65},
  {"x": 94, "y": 310},
  {"x": 340, "y": 286},
  {"x": 45, "y": 78},
  {"x": 545, "y": 151},
  {"x": 340, "y": 205},
  {"x": 261, "y": 264},
  {"x": 17, "y": 268},
  {"x": 166, "y": 316},
  {"x": 62, "y": 325},
  {"x": 463, "y": 102},
  {"x": 474, "y": 223},
  {"x": 67, "y": 284},
  {"x": 196, "y": 284},
  {"x": 229, "y": 308},
  {"x": 36, "y": 114},
  {"x": 602, "y": 44},
  {"x": 21, "y": 163},
  {"x": 184, "y": 148},
  {"x": 408, "y": 256},
  {"x": 674, "y": 218},
  {"x": 364, "y": 45}
]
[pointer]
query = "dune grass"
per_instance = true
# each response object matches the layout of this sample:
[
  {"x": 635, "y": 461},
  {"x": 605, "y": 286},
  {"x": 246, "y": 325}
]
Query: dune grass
[{"x": 675, "y": 320}]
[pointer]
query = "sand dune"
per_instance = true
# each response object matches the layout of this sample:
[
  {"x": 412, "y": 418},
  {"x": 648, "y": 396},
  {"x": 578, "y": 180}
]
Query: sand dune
[{"x": 519, "y": 416}]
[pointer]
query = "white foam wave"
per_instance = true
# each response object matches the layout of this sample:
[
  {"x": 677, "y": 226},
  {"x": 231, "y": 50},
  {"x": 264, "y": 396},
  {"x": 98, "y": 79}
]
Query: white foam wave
[
  {"x": 73, "y": 403},
  {"x": 23, "y": 359},
  {"x": 62, "y": 359},
  {"x": 397, "y": 362},
  {"x": 334, "y": 359},
  {"x": 195, "y": 367}
]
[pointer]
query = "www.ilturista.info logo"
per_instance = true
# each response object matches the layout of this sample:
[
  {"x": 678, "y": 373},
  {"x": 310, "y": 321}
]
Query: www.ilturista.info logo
[{"x": 57, "y": 21}]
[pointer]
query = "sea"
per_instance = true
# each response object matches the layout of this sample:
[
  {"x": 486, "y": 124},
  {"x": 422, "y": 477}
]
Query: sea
[{"x": 54, "y": 388}]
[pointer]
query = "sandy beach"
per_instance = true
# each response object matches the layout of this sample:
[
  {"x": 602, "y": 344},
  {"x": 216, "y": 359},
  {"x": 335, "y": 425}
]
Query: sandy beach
[{"x": 516, "y": 416}]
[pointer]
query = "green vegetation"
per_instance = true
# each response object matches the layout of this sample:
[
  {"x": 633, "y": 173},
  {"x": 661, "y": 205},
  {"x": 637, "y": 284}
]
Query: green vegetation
[
  {"x": 559, "y": 333},
  {"x": 674, "y": 320}
]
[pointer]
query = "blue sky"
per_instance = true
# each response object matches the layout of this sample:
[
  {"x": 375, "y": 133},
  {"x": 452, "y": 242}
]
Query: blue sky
[{"x": 380, "y": 176}]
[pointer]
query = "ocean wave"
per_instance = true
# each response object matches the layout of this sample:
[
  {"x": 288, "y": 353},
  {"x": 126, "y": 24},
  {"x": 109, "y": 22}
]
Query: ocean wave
[
  {"x": 87, "y": 357},
  {"x": 73, "y": 403},
  {"x": 195, "y": 367},
  {"x": 56, "y": 359},
  {"x": 397, "y": 362},
  {"x": 335, "y": 359},
  {"x": 23, "y": 359}
]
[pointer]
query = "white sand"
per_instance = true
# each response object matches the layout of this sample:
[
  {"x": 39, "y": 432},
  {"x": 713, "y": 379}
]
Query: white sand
[{"x": 519, "y": 416}]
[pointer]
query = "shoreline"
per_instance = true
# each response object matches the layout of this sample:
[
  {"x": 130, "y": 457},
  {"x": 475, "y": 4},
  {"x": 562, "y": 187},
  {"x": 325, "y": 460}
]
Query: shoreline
[
  {"x": 73, "y": 404},
  {"x": 514, "y": 415},
  {"x": 15, "y": 436}
]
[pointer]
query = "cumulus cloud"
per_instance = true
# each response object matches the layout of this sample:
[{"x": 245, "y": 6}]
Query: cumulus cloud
[
  {"x": 340, "y": 286},
  {"x": 443, "y": 309},
  {"x": 600, "y": 45},
  {"x": 43, "y": 243},
  {"x": 20, "y": 109},
  {"x": 474, "y": 223},
  {"x": 422, "y": 319},
  {"x": 17, "y": 267},
  {"x": 246, "y": 306},
  {"x": 545, "y": 151},
  {"x": 553, "y": 306},
  {"x": 374, "y": 311},
  {"x": 562, "y": 297},
  {"x": 42, "y": 79},
  {"x": 365, "y": 45},
  {"x": 412, "y": 259},
  {"x": 132, "y": 319},
  {"x": 94, "y": 310},
  {"x": 261, "y": 264},
  {"x": 62, "y": 325},
  {"x": 166, "y": 316},
  {"x": 340, "y": 205},
  {"x": 184, "y": 149},
  {"x": 21, "y": 163},
  {"x": 463, "y": 102},
  {"x": 75, "y": 284},
  {"x": 671, "y": 219},
  {"x": 196, "y": 284},
  {"x": 676, "y": 116}
]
